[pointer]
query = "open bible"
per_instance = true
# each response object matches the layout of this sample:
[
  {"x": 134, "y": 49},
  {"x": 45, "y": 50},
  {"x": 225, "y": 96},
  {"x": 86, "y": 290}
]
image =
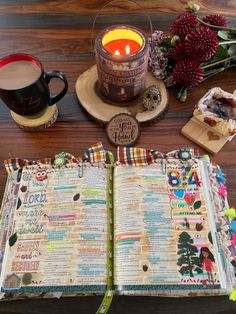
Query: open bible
[{"x": 148, "y": 224}]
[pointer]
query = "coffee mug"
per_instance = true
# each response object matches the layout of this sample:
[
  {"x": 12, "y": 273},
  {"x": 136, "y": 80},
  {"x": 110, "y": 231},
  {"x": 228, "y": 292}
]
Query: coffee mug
[{"x": 24, "y": 84}]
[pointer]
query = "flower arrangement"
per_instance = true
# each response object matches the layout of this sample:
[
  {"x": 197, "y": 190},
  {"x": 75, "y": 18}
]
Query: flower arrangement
[{"x": 196, "y": 49}]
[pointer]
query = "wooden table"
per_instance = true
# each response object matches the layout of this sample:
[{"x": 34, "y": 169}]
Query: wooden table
[{"x": 59, "y": 33}]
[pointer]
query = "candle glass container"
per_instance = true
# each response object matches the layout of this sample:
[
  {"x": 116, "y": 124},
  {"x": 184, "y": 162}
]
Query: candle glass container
[{"x": 122, "y": 58}]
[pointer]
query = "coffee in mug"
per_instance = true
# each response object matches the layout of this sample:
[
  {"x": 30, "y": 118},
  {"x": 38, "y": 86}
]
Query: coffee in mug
[{"x": 24, "y": 84}]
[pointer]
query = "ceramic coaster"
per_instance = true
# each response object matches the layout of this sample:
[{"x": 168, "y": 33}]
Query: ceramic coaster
[{"x": 35, "y": 123}]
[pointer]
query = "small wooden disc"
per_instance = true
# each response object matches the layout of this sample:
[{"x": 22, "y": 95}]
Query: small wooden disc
[
  {"x": 123, "y": 130},
  {"x": 33, "y": 124}
]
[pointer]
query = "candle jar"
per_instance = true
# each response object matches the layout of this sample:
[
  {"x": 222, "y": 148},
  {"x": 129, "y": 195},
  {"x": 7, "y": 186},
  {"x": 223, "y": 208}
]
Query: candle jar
[{"x": 122, "y": 58}]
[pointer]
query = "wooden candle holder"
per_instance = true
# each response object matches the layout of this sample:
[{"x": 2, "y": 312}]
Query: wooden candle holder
[{"x": 103, "y": 111}]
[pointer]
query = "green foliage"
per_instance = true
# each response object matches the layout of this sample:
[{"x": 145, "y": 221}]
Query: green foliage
[
  {"x": 232, "y": 50},
  {"x": 188, "y": 259},
  {"x": 12, "y": 239},
  {"x": 182, "y": 251},
  {"x": 223, "y": 35},
  {"x": 27, "y": 278},
  {"x": 182, "y": 94},
  {"x": 196, "y": 261},
  {"x": 221, "y": 53},
  {"x": 184, "y": 270},
  {"x": 197, "y": 204},
  {"x": 182, "y": 260},
  {"x": 18, "y": 203},
  {"x": 198, "y": 270}
]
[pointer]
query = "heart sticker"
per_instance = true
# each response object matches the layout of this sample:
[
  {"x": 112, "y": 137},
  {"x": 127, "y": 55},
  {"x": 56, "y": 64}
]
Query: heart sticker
[
  {"x": 179, "y": 193},
  {"x": 212, "y": 136},
  {"x": 189, "y": 198}
]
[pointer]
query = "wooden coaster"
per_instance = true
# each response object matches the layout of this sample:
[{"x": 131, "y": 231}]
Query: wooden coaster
[
  {"x": 35, "y": 123},
  {"x": 204, "y": 136},
  {"x": 123, "y": 129},
  {"x": 103, "y": 111}
]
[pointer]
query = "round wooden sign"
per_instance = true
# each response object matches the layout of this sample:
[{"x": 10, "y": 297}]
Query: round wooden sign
[{"x": 123, "y": 129}]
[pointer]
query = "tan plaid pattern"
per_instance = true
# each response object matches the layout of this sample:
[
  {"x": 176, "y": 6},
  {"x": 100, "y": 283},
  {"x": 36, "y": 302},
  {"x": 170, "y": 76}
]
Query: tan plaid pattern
[
  {"x": 136, "y": 156},
  {"x": 95, "y": 154}
]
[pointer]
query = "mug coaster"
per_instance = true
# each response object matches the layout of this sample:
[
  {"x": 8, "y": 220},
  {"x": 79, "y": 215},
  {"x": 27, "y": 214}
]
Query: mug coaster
[{"x": 35, "y": 123}]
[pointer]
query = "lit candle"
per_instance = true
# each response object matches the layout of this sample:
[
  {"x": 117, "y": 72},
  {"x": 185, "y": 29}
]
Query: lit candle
[
  {"x": 122, "y": 57},
  {"x": 122, "y": 42}
]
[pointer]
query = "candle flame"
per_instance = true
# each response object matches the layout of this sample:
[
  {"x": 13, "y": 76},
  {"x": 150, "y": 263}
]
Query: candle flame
[
  {"x": 117, "y": 53},
  {"x": 127, "y": 49}
]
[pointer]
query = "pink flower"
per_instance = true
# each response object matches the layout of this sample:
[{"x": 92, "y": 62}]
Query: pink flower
[
  {"x": 233, "y": 240},
  {"x": 215, "y": 19},
  {"x": 201, "y": 44},
  {"x": 187, "y": 73},
  {"x": 157, "y": 37},
  {"x": 178, "y": 52},
  {"x": 222, "y": 190},
  {"x": 184, "y": 24}
]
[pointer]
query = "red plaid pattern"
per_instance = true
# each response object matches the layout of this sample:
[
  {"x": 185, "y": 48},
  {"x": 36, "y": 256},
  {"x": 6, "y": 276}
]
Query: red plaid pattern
[{"x": 12, "y": 165}]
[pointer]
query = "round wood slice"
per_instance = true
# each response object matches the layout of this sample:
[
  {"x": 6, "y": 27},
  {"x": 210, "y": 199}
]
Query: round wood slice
[
  {"x": 103, "y": 111},
  {"x": 35, "y": 123},
  {"x": 123, "y": 129}
]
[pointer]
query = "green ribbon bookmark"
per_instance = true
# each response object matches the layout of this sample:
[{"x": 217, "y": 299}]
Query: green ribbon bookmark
[{"x": 107, "y": 299}]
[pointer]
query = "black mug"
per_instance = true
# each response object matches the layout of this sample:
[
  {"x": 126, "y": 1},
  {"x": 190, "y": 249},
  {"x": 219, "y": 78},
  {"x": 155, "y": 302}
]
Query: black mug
[{"x": 24, "y": 84}]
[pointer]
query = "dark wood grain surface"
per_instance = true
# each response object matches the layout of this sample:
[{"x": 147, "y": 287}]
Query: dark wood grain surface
[{"x": 59, "y": 33}]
